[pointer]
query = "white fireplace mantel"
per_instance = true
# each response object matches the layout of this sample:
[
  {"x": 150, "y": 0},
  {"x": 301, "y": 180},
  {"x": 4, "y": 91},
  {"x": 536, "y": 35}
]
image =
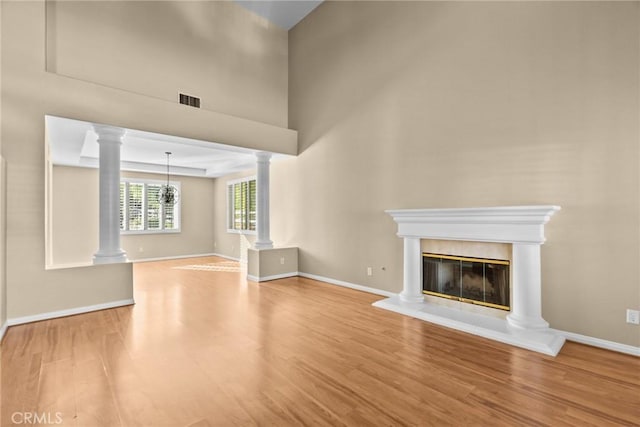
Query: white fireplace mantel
[
  {"x": 523, "y": 227},
  {"x": 510, "y": 224}
]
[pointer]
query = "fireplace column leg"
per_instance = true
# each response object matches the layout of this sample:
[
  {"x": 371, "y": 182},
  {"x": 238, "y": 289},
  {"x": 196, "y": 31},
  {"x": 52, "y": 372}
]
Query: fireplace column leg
[
  {"x": 526, "y": 311},
  {"x": 412, "y": 286}
]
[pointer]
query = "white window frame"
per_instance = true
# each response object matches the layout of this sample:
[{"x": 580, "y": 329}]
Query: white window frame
[
  {"x": 230, "y": 206},
  {"x": 177, "y": 208}
]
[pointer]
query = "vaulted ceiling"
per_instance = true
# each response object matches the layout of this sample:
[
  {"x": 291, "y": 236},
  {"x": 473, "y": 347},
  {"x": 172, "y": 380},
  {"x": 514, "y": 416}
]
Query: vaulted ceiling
[{"x": 285, "y": 14}]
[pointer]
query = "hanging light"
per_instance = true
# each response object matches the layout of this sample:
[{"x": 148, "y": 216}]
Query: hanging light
[{"x": 168, "y": 194}]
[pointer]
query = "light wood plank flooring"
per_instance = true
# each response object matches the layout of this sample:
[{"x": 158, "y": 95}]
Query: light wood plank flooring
[{"x": 203, "y": 348}]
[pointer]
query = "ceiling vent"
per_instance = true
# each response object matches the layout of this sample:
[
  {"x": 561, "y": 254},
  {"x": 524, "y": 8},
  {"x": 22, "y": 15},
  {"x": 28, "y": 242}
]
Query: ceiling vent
[{"x": 191, "y": 101}]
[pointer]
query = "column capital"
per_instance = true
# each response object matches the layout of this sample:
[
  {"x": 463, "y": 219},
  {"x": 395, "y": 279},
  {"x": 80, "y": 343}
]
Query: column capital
[
  {"x": 108, "y": 133},
  {"x": 263, "y": 156}
]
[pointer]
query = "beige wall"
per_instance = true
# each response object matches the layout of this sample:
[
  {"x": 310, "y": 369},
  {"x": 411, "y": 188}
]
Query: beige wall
[
  {"x": 264, "y": 264},
  {"x": 75, "y": 230},
  {"x": 235, "y": 61},
  {"x": 28, "y": 93},
  {"x": 459, "y": 104}
]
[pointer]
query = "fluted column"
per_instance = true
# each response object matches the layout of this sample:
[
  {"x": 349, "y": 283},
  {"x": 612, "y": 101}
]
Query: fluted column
[
  {"x": 110, "y": 142},
  {"x": 262, "y": 189}
]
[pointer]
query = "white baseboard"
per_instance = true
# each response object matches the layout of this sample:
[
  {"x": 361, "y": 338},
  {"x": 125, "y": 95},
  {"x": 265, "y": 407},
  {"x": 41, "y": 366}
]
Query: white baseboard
[
  {"x": 597, "y": 342},
  {"x": 3, "y": 330},
  {"x": 274, "y": 277},
  {"x": 167, "y": 258},
  {"x": 228, "y": 257},
  {"x": 68, "y": 312},
  {"x": 348, "y": 285}
]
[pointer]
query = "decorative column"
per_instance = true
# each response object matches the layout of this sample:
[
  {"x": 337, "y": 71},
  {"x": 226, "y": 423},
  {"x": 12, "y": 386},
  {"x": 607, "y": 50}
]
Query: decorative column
[
  {"x": 412, "y": 284},
  {"x": 110, "y": 142},
  {"x": 262, "y": 189},
  {"x": 526, "y": 308}
]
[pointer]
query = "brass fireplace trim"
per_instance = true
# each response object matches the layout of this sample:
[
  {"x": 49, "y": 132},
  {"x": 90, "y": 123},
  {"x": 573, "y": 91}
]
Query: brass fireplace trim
[
  {"x": 462, "y": 258},
  {"x": 461, "y": 299}
]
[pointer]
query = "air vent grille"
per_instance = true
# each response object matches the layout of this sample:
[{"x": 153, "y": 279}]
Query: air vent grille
[{"x": 191, "y": 101}]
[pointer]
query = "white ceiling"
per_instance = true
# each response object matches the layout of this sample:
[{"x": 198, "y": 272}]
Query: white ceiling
[
  {"x": 284, "y": 13},
  {"x": 74, "y": 143}
]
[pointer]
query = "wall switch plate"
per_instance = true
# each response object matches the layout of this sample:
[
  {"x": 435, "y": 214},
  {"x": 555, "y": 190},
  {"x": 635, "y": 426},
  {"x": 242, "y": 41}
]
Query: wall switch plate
[
  {"x": 282, "y": 260},
  {"x": 633, "y": 316},
  {"x": 369, "y": 271}
]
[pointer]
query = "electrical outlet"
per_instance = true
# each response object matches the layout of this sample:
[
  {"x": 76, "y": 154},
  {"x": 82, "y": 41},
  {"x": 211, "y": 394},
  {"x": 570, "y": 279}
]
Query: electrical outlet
[
  {"x": 369, "y": 271},
  {"x": 215, "y": 244},
  {"x": 282, "y": 260},
  {"x": 140, "y": 249},
  {"x": 633, "y": 316}
]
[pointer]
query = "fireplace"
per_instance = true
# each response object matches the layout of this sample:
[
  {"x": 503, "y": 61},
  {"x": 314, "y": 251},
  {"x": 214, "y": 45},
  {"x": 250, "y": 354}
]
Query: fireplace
[
  {"x": 517, "y": 283},
  {"x": 471, "y": 280}
]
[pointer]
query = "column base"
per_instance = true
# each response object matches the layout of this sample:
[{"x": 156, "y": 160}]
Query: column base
[
  {"x": 263, "y": 245},
  {"x": 110, "y": 258},
  {"x": 527, "y": 323},
  {"x": 411, "y": 298}
]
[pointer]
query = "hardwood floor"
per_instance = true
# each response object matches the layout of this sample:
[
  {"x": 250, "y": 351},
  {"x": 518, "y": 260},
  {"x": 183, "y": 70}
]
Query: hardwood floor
[{"x": 203, "y": 348}]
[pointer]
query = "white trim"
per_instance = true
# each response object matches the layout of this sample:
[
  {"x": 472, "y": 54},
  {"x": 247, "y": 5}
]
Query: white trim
[
  {"x": 133, "y": 261},
  {"x": 510, "y": 224},
  {"x": 347, "y": 284},
  {"x": 169, "y": 258},
  {"x": 243, "y": 179},
  {"x": 274, "y": 277},
  {"x": 229, "y": 257},
  {"x": 69, "y": 312},
  {"x": 150, "y": 181},
  {"x": 71, "y": 265},
  {"x": 163, "y": 231},
  {"x": 3, "y": 330},
  {"x": 600, "y": 343},
  {"x": 249, "y": 232}
]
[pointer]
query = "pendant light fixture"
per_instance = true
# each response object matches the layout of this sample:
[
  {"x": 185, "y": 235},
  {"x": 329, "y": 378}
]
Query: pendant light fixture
[{"x": 168, "y": 194}]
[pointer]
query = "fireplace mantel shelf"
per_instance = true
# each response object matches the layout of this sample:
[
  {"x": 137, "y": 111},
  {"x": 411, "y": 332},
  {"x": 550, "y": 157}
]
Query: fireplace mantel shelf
[
  {"x": 508, "y": 224},
  {"x": 521, "y": 226}
]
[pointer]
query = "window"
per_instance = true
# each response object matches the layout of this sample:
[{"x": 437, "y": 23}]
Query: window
[
  {"x": 241, "y": 204},
  {"x": 140, "y": 211}
]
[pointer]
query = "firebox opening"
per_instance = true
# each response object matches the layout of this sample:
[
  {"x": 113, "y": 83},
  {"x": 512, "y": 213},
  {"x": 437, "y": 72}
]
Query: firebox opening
[{"x": 472, "y": 280}]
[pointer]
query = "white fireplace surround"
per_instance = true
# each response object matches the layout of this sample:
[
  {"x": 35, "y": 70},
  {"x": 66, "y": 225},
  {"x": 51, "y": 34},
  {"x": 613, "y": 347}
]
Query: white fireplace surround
[{"x": 523, "y": 227}]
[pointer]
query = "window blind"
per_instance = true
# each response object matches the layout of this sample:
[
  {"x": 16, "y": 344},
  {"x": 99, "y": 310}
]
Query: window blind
[
  {"x": 242, "y": 205},
  {"x": 140, "y": 210}
]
